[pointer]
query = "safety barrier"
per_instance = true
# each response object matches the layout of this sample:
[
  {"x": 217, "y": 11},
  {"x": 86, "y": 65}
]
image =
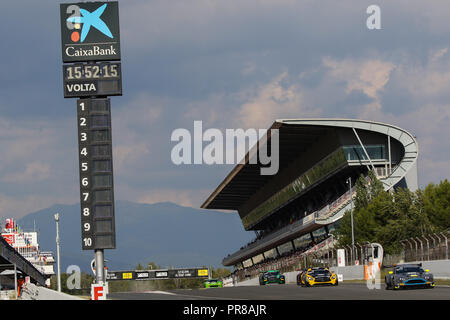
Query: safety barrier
[{"x": 433, "y": 246}]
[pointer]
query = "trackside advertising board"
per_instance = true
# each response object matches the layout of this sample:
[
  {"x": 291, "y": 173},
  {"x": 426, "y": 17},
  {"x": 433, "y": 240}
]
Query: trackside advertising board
[
  {"x": 158, "y": 274},
  {"x": 90, "y": 31}
]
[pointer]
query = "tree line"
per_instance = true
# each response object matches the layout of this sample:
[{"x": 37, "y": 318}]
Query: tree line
[{"x": 387, "y": 217}]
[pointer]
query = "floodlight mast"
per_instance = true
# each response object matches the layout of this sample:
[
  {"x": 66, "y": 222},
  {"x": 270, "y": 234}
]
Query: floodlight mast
[{"x": 56, "y": 216}]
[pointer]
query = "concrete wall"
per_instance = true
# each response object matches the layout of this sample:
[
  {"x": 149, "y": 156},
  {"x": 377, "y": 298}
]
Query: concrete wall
[
  {"x": 249, "y": 282},
  {"x": 350, "y": 272},
  {"x": 439, "y": 268},
  {"x": 33, "y": 292}
]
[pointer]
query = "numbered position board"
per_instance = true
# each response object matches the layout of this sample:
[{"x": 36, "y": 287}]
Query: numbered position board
[{"x": 96, "y": 174}]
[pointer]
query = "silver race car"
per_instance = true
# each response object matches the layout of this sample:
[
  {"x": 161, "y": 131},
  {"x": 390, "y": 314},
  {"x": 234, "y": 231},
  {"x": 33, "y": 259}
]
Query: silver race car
[{"x": 408, "y": 276}]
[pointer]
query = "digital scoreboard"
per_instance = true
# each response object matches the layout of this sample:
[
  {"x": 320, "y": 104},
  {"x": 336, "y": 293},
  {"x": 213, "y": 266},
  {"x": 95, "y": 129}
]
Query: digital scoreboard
[
  {"x": 92, "y": 71},
  {"x": 96, "y": 174},
  {"x": 92, "y": 79}
]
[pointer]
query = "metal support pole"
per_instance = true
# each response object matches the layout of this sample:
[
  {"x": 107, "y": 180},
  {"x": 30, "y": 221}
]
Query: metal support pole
[
  {"x": 446, "y": 245},
  {"x": 99, "y": 267},
  {"x": 428, "y": 248},
  {"x": 415, "y": 244},
  {"x": 347, "y": 259},
  {"x": 436, "y": 247},
  {"x": 402, "y": 242},
  {"x": 436, "y": 256},
  {"x": 349, "y": 181},
  {"x": 15, "y": 280},
  {"x": 352, "y": 249},
  {"x": 421, "y": 248},
  {"x": 389, "y": 151},
  {"x": 410, "y": 244},
  {"x": 58, "y": 252},
  {"x": 365, "y": 152},
  {"x": 360, "y": 257}
]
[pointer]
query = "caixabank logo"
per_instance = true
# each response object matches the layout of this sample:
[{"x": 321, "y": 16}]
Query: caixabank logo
[{"x": 90, "y": 31}]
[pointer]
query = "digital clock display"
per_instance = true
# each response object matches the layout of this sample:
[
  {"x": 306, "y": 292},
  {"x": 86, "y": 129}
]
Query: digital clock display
[
  {"x": 92, "y": 79},
  {"x": 92, "y": 71}
]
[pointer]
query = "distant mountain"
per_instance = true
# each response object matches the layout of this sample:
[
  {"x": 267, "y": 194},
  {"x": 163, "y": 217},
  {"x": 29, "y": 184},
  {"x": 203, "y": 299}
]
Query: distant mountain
[{"x": 165, "y": 233}]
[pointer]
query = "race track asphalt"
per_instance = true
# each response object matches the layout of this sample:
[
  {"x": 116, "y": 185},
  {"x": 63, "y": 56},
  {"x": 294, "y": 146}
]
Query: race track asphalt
[{"x": 345, "y": 291}]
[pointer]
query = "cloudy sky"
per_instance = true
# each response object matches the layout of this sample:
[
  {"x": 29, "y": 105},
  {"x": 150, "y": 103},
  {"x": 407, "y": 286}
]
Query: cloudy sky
[{"x": 231, "y": 64}]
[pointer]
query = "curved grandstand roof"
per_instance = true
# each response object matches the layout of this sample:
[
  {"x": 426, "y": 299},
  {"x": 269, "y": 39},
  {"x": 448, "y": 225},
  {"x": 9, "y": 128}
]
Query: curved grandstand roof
[{"x": 295, "y": 137}]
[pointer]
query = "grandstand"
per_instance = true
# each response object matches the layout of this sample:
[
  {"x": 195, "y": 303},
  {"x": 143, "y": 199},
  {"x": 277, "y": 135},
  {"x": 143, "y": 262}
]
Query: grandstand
[{"x": 299, "y": 206}]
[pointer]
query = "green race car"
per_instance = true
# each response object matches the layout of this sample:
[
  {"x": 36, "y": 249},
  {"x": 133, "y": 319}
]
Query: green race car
[
  {"x": 271, "y": 276},
  {"x": 213, "y": 283}
]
